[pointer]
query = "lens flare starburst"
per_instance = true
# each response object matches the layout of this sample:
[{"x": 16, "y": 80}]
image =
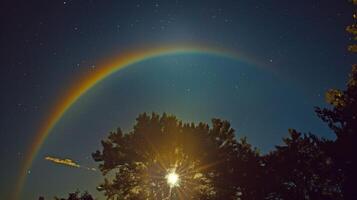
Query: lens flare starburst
[{"x": 172, "y": 178}]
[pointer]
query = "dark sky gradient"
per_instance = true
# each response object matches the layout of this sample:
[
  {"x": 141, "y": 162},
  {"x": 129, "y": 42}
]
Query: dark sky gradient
[{"x": 301, "y": 46}]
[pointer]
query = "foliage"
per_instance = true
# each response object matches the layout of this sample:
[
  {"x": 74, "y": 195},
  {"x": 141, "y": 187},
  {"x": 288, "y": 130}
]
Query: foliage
[
  {"x": 213, "y": 164},
  {"x": 204, "y": 158},
  {"x": 342, "y": 119},
  {"x": 301, "y": 169},
  {"x": 74, "y": 196}
]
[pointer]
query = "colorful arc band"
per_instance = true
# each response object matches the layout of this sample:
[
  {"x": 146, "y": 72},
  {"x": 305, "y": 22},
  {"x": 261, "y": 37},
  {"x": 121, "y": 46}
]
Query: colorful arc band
[{"x": 87, "y": 82}]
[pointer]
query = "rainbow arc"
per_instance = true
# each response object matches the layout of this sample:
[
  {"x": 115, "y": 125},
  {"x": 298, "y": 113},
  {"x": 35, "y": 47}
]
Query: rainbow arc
[{"x": 85, "y": 83}]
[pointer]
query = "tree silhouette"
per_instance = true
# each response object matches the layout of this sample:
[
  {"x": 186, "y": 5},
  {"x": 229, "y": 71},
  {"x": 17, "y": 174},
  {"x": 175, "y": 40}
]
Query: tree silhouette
[
  {"x": 203, "y": 157},
  {"x": 301, "y": 169},
  {"x": 342, "y": 119},
  {"x": 212, "y": 164},
  {"x": 74, "y": 196}
]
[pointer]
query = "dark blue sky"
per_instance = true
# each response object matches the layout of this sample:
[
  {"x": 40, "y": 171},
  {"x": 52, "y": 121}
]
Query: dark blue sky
[{"x": 301, "y": 45}]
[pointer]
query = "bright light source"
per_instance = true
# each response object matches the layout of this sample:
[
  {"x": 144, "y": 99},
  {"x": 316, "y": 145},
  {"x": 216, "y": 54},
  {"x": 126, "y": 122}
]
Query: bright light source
[{"x": 172, "y": 179}]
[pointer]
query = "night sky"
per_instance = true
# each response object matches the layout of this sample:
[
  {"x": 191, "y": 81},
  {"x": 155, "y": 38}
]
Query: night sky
[{"x": 292, "y": 52}]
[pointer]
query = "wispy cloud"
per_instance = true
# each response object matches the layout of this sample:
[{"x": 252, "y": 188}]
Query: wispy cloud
[{"x": 67, "y": 162}]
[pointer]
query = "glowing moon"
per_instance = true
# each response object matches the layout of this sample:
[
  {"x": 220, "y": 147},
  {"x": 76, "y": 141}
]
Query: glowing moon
[{"x": 172, "y": 179}]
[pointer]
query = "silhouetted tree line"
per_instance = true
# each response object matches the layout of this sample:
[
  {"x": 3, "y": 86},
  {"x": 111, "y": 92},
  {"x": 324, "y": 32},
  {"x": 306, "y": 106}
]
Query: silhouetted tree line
[
  {"x": 74, "y": 196},
  {"x": 213, "y": 164}
]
